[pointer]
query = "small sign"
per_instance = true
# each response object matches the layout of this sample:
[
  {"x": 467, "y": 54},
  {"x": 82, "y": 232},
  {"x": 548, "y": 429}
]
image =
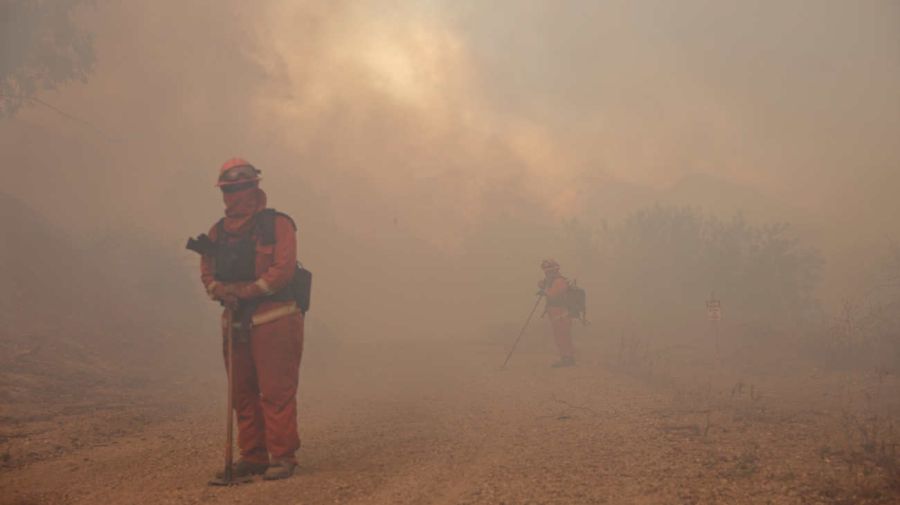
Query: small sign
[{"x": 714, "y": 309}]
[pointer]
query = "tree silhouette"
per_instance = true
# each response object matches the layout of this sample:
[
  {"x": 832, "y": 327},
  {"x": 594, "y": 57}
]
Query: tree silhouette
[
  {"x": 41, "y": 48},
  {"x": 669, "y": 259}
]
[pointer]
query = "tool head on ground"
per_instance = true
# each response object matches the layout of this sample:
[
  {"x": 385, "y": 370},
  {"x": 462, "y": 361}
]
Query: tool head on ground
[
  {"x": 230, "y": 481},
  {"x": 237, "y": 174},
  {"x": 550, "y": 265}
]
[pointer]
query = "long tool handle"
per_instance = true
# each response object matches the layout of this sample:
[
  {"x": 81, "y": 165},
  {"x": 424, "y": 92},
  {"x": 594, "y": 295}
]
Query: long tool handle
[
  {"x": 229, "y": 426},
  {"x": 522, "y": 332}
]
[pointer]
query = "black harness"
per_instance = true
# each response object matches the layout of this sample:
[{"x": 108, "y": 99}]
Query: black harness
[
  {"x": 235, "y": 260},
  {"x": 235, "y": 254}
]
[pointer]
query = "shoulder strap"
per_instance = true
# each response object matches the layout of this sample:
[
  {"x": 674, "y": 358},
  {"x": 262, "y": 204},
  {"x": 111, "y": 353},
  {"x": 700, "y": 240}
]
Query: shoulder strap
[
  {"x": 289, "y": 218},
  {"x": 265, "y": 225},
  {"x": 220, "y": 231}
]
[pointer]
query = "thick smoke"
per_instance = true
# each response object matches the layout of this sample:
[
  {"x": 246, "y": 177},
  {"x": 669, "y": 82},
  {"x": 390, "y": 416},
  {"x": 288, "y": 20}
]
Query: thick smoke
[{"x": 431, "y": 152}]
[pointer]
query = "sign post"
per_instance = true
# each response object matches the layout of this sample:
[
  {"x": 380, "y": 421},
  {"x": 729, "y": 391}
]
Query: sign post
[{"x": 714, "y": 314}]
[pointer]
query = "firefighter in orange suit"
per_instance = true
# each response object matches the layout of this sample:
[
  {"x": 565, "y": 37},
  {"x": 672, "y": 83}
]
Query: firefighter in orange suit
[
  {"x": 253, "y": 264},
  {"x": 554, "y": 286}
]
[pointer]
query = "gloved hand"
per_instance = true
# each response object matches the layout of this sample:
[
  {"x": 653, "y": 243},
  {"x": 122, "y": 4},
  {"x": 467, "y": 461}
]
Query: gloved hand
[
  {"x": 217, "y": 291},
  {"x": 542, "y": 285},
  {"x": 230, "y": 302},
  {"x": 224, "y": 293},
  {"x": 245, "y": 290}
]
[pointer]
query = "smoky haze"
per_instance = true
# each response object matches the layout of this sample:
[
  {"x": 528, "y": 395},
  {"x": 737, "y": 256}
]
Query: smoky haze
[
  {"x": 674, "y": 157},
  {"x": 431, "y": 152}
]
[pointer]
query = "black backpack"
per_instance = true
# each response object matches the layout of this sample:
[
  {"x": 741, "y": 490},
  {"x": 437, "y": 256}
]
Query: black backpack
[
  {"x": 576, "y": 301},
  {"x": 301, "y": 287}
]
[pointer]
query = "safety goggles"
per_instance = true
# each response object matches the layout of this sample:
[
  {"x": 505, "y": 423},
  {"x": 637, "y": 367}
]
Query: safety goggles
[
  {"x": 235, "y": 174},
  {"x": 237, "y": 186}
]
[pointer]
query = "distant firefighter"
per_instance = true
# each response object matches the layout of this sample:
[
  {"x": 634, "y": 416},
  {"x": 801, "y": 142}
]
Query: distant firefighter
[
  {"x": 556, "y": 289},
  {"x": 249, "y": 264}
]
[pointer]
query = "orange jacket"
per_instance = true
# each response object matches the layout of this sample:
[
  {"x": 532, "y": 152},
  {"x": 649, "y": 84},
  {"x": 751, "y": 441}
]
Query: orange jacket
[
  {"x": 275, "y": 265},
  {"x": 556, "y": 297}
]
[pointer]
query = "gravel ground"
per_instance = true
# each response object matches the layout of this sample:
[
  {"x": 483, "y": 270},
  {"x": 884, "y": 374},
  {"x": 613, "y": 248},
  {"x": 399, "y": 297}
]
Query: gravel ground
[{"x": 440, "y": 424}]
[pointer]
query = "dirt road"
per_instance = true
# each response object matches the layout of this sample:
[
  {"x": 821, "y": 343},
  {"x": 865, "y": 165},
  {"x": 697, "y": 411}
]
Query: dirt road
[{"x": 440, "y": 424}]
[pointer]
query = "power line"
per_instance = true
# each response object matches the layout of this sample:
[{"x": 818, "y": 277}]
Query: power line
[{"x": 64, "y": 114}]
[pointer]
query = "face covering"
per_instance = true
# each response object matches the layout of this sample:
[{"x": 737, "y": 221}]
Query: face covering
[{"x": 240, "y": 207}]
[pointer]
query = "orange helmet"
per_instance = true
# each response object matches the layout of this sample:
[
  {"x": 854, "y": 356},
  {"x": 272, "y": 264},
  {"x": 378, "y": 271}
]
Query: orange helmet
[
  {"x": 237, "y": 171},
  {"x": 549, "y": 264}
]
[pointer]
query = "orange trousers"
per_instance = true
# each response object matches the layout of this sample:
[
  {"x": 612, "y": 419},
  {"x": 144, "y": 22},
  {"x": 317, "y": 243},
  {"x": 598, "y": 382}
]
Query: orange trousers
[
  {"x": 561, "y": 324},
  {"x": 266, "y": 373}
]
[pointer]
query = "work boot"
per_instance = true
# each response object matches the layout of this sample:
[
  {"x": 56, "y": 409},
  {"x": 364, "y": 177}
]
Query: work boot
[
  {"x": 564, "y": 362},
  {"x": 281, "y": 469},
  {"x": 241, "y": 469}
]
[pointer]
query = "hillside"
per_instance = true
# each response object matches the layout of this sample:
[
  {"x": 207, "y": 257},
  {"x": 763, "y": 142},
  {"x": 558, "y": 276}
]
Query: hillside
[{"x": 78, "y": 314}]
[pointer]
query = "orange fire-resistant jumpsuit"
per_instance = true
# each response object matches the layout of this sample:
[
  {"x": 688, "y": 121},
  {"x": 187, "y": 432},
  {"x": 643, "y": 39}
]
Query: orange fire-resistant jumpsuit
[
  {"x": 266, "y": 364},
  {"x": 560, "y": 320}
]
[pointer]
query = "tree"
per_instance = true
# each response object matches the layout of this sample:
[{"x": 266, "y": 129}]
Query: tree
[
  {"x": 41, "y": 48},
  {"x": 667, "y": 260}
]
